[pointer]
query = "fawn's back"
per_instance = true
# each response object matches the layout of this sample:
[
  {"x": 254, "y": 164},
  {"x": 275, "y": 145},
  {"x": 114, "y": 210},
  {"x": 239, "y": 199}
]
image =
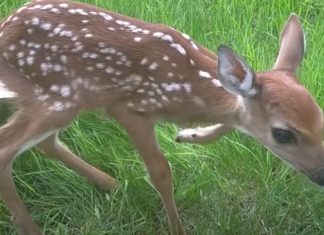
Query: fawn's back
[{"x": 70, "y": 51}]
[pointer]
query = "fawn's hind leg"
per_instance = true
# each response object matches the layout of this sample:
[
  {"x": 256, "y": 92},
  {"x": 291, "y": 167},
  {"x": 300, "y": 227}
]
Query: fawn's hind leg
[
  {"x": 54, "y": 148},
  {"x": 25, "y": 129}
]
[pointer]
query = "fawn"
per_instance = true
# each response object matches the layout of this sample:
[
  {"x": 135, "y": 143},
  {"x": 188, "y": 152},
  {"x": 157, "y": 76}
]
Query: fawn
[{"x": 58, "y": 58}]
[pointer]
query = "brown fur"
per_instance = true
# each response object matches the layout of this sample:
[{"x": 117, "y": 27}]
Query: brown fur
[{"x": 289, "y": 98}]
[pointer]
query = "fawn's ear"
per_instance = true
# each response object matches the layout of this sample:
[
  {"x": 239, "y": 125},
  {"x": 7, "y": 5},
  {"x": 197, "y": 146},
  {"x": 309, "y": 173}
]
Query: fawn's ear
[
  {"x": 234, "y": 74},
  {"x": 292, "y": 45}
]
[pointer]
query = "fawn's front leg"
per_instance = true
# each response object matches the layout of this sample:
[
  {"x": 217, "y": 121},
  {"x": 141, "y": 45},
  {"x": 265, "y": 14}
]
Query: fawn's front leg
[
  {"x": 141, "y": 131},
  {"x": 201, "y": 135}
]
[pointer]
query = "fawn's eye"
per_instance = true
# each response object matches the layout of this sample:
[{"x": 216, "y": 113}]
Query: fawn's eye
[{"x": 283, "y": 136}]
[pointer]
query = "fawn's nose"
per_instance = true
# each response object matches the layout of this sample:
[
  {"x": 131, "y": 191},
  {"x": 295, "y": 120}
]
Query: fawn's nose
[{"x": 318, "y": 177}]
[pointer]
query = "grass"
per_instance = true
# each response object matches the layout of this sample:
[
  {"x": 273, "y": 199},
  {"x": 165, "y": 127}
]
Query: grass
[{"x": 233, "y": 186}]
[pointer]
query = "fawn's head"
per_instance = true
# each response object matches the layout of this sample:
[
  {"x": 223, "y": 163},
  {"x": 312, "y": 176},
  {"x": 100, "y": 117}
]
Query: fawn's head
[{"x": 274, "y": 108}]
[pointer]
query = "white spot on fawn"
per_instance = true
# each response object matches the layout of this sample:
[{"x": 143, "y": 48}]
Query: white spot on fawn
[
  {"x": 216, "y": 82},
  {"x": 137, "y": 39},
  {"x": 20, "y": 55},
  {"x": 30, "y": 31},
  {"x": 194, "y": 46},
  {"x": 105, "y": 16},
  {"x": 167, "y": 38},
  {"x": 158, "y": 34},
  {"x": 153, "y": 66},
  {"x": 63, "y": 59},
  {"x": 187, "y": 87},
  {"x": 204, "y": 74},
  {"x": 72, "y": 11},
  {"x": 121, "y": 22},
  {"x": 63, "y": 5},
  {"x": 46, "y": 67},
  {"x": 46, "y": 26},
  {"x": 144, "y": 61},
  {"x": 57, "y": 106},
  {"x": 118, "y": 73},
  {"x": 179, "y": 48},
  {"x": 12, "y": 47},
  {"x": 81, "y": 12},
  {"x": 65, "y": 91},
  {"x": 54, "y": 88},
  {"x": 47, "y": 7},
  {"x": 55, "y": 10},
  {"x": 130, "y": 105},
  {"x": 166, "y": 58},
  {"x": 5, "y": 55},
  {"x": 186, "y": 36},
  {"x": 171, "y": 87},
  {"x": 21, "y": 62},
  {"x": 38, "y": 6},
  {"x": 93, "y": 55},
  {"x": 123, "y": 58},
  {"x": 128, "y": 64},
  {"x": 57, "y": 68},
  {"x": 89, "y": 68},
  {"x": 100, "y": 65},
  {"x": 66, "y": 33},
  {"x": 32, "y": 52},
  {"x": 35, "y": 21},
  {"x": 54, "y": 48},
  {"x": 110, "y": 70},
  {"x": 30, "y": 60}
]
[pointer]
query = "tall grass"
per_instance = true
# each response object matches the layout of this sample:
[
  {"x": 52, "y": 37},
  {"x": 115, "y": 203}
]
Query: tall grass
[{"x": 233, "y": 186}]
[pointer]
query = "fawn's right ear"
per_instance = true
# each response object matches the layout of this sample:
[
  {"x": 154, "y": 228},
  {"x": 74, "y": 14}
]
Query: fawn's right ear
[
  {"x": 292, "y": 45},
  {"x": 235, "y": 75}
]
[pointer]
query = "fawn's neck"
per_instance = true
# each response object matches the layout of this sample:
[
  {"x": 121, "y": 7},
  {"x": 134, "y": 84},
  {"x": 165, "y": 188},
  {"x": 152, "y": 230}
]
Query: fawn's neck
[{"x": 205, "y": 100}]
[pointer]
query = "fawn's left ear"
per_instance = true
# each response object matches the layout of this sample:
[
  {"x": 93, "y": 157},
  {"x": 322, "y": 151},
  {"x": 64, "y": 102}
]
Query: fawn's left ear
[
  {"x": 235, "y": 75},
  {"x": 292, "y": 45}
]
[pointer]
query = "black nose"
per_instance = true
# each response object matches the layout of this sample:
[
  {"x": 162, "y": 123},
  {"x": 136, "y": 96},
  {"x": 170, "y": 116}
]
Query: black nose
[{"x": 318, "y": 177}]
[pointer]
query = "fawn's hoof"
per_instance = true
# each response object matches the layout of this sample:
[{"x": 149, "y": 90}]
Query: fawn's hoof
[{"x": 107, "y": 183}]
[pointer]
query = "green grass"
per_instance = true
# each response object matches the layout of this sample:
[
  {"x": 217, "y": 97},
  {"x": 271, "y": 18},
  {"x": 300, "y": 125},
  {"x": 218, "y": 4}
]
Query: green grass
[{"x": 233, "y": 186}]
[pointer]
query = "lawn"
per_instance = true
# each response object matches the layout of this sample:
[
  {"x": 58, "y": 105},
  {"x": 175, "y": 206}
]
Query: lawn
[{"x": 233, "y": 186}]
